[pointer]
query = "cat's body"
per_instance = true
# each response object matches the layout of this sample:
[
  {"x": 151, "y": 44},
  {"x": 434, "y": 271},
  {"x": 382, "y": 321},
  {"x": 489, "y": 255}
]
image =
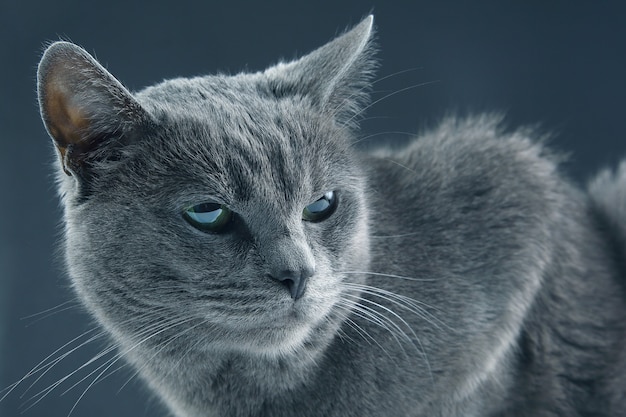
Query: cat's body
[{"x": 460, "y": 275}]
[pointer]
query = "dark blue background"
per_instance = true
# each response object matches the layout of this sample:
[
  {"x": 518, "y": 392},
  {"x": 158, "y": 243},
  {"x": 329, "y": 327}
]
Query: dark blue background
[{"x": 560, "y": 64}]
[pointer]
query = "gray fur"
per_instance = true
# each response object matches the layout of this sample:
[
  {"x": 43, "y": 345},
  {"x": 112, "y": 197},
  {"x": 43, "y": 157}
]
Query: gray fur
[{"x": 461, "y": 275}]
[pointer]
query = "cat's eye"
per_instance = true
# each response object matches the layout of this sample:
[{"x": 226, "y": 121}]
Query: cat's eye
[
  {"x": 320, "y": 209},
  {"x": 208, "y": 217}
]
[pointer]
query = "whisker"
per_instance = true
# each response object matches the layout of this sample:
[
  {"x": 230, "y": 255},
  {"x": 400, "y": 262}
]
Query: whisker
[
  {"x": 395, "y": 74},
  {"x": 35, "y": 399},
  {"x": 348, "y": 99},
  {"x": 49, "y": 309},
  {"x": 190, "y": 349},
  {"x": 120, "y": 356},
  {"x": 388, "y": 275},
  {"x": 392, "y": 236},
  {"x": 373, "y": 303},
  {"x": 411, "y": 87},
  {"x": 351, "y": 323},
  {"x": 403, "y": 301},
  {"x": 37, "y": 368},
  {"x": 377, "y": 117},
  {"x": 358, "y": 310},
  {"x": 361, "y": 331},
  {"x": 54, "y": 362},
  {"x": 400, "y": 165},
  {"x": 369, "y": 314},
  {"x": 50, "y": 314},
  {"x": 392, "y": 298},
  {"x": 172, "y": 339},
  {"x": 391, "y": 132},
  {"x": 41, "y": 366},
  {"x": 421, "y": 350},
  {"x": 156, "y": 327}
]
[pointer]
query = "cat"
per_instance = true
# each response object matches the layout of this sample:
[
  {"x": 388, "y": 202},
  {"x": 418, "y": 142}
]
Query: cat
[{"x": 249, "y": 260}]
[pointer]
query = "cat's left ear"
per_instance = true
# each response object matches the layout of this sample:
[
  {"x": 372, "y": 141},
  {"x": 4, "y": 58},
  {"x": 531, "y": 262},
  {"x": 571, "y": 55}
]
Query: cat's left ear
[{"x": 336, "y": 77}]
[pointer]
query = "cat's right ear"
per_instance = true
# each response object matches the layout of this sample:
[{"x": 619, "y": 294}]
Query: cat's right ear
[
  {"x": 83, "y": 106},
  {"x": 335, "y": 77}
]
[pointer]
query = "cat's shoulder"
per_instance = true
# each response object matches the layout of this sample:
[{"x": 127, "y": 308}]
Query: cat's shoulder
[{"x": 474, "y": 152}]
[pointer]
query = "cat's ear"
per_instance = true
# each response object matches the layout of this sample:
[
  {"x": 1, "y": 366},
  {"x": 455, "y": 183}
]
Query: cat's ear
[
  {"x": 336, "y": 77},
  {"x": 82, "y": 105}
]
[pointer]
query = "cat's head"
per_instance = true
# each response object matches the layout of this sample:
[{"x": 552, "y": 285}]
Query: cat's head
[{"x": 218, "y": 210}]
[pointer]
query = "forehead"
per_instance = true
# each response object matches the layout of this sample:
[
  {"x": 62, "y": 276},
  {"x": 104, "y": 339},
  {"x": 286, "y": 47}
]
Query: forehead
[{"x": 251, "y": 148}]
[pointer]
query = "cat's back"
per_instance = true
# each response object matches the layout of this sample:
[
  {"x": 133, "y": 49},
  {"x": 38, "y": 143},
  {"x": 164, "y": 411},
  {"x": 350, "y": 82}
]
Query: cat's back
[
  {"x": 475, "y": 206},
  {"x": 468, "y": 168}
]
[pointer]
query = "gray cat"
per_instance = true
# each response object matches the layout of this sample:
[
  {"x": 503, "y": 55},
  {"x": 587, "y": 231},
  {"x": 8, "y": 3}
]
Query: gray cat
[{"x": 248, "y": 260}]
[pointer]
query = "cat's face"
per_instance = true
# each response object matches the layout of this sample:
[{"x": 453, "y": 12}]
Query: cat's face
[
  {"x": 264, "y": 175},
  {"x": 227, "y": 208}
]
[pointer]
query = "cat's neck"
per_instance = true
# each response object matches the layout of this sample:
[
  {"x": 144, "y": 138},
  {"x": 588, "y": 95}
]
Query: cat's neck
[{"x": 221, "y": 380}]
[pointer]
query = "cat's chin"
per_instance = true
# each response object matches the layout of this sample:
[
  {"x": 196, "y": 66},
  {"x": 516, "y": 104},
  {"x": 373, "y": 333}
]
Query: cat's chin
[
  {"x": 267, "y": 341},
  {"x": 274, "y": 341},
  {"x": 284, "y": 333}
]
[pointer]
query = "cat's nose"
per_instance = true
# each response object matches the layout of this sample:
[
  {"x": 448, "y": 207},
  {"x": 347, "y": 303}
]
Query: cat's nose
[
  {"x": 290, "y": 261},
  {"x": 295, "y": 281}
]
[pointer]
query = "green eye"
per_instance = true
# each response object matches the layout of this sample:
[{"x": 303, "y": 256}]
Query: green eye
[
  {"x": 208, "y": 217},
  {"x": 320, "y": 209}
]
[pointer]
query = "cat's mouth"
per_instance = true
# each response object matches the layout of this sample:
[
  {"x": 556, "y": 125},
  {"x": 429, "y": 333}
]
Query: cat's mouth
[
  {"x": 292, "y": 315},
  {"x": 288, "y": 324},
  {"x": 284, "y": 333},
  {"x": 273, "y": 320}
]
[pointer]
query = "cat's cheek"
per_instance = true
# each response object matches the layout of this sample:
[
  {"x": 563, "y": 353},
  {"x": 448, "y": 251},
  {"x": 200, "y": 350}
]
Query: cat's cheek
[
  {"x": 356, "y": 258},
  {"x": 321, "y": 295}
]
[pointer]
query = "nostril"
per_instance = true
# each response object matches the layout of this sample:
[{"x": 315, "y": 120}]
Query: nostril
[
  {"x": 290, "y": 284},
  {"x": 294, "y": 281}
]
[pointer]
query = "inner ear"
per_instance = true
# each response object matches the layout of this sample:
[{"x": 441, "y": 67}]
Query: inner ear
[
  {"x": 82, "y": 105},
  {"x": 67, "y": 122}
]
